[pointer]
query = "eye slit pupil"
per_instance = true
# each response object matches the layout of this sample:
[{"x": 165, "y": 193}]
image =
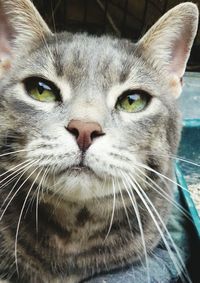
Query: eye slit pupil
[
  {"x": 131, "y": 100},
  {"x": 40, "y": 88}
]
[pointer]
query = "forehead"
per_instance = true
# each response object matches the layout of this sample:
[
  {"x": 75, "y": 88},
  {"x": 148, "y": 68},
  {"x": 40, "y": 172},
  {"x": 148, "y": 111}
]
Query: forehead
[
  {"x": 88, "y": 63},
  {"x": 80, "y": 58}
]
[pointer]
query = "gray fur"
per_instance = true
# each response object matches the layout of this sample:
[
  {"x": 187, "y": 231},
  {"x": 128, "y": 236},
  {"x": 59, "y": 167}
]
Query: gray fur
[{"x": 75, "y": 205}]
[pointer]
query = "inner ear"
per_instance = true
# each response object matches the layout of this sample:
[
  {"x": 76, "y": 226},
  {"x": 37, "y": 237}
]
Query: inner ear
[
  {"x": 21, "y": 29},
  {"x": 180, "y": 51},
  {"x": 168, "y": 43},
  {"x": 21, "y": 26},
  {"x": 5, "y": 45}
]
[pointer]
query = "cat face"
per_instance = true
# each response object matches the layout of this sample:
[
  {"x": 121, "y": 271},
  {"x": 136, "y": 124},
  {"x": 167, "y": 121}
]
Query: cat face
[{"x": 82, "y": 111}]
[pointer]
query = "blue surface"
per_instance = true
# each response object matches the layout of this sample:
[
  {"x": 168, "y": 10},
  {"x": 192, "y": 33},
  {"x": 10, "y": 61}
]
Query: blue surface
[
  {"x": 188, "y": 201},
  {"x": 190, "y": 142},
  {"x": 190, "y": 98},
  {"x": 190, "y": 151}
]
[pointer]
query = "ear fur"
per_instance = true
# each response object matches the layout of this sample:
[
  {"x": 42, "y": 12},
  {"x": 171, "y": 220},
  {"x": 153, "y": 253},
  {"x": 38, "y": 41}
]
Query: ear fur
[
  {"x": 21, "y": 27},
  {"x": 168, "y": 43}
]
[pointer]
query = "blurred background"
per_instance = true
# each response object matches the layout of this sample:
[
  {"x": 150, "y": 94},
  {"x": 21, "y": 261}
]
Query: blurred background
[{"x": 123, "y": 18}]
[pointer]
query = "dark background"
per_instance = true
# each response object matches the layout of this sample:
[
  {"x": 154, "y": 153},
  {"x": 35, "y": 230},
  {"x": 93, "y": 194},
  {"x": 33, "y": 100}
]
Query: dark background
[{"x": 124, "y": 18}]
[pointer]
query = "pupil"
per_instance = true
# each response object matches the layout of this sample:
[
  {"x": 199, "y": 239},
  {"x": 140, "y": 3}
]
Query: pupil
[
  {"x": 40, "y": 88},
  {"x": 131, "y": 99}
]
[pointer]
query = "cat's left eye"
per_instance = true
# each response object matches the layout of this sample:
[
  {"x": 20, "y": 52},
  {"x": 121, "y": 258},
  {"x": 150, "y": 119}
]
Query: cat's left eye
[
  {"x": 42, "y": 90},
  {"x": 133, "y": 101}
]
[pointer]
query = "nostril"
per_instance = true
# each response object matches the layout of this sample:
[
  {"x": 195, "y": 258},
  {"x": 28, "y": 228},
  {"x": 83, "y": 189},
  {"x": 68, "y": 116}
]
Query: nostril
[
  {"x": 84, "y": 132},
  {"x": 96, "y": 134},
  {"x": 73, "y": 131}
]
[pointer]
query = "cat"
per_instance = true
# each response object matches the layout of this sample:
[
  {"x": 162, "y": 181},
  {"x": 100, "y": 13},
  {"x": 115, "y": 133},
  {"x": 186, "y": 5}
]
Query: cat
[{"x": 87, "y": 127}]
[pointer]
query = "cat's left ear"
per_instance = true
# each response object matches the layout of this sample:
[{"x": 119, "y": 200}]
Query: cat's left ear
[
  {"x": 21, "y": 28},
  {"x": 5, "y": 48},
  {"x": 168, "y": 43}
]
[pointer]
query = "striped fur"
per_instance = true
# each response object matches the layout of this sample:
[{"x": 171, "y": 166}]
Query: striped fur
[{"x": 59, "y": 221}]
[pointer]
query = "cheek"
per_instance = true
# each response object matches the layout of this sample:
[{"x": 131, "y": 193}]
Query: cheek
[
  {"x": 55, "y": 141},
  {"x": 112, "y": 151},
  {"x": 104, "y": 145}
]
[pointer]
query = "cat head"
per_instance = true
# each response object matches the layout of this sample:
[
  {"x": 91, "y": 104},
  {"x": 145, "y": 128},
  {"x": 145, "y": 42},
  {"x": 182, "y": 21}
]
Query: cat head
[{"x": 78, "y": 112}]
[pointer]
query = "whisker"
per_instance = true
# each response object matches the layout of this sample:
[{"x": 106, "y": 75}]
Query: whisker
[
  {"x": 161, "y": 175},
  {"x": 163, "y": 194},
  {"x": 34, "y": 195},
  {"x": 16, "y": 192},
  {"x": 13, "y": 175},
  {"x": 9, "y": 181},
  {"x": 157, "y": 225},
  {"x": 11, "y": 169},
  {"x": 176, "y": 157},
  {"x": 47, "y": 47},
  {"x": 179, "y": 266},
  {"x": 125, "y": 209},
  {"x": 14, "y": 152},
  {"x": 172, "y": 156},
  {"x": 21, "y": 213},
  {"x": 7, "y": 134},
  {"x": 113, "y": 210},
  {"x": 128, "y": 219},
  {"x": 54, "y": 25},
  {"x": 137, "y": 213},
  {"x": 46, "y": 171}
]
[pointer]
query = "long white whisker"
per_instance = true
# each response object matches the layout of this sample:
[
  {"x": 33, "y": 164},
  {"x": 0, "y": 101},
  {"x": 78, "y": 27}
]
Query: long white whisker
[
  {"x": 163, "y": 193},
  {"x": 23, "y": 171},
  {"x": 179, "y": 266},
  {"x": 159, "y": 174},
  {"x": 16, "y": 173},
  {"x": 113, "y": 210},
  {"x": 13, "y": 173},
  {"x": 34, "y": 195},
  {"x": 171, "y": 156},
  {"x": 155, "y": 222},
  {"x": 179, "y": 158},
  {"x": 37, "y": 197},
  {"x": 125, "y": 209},
  {"x": 129, "y": 223},
  {"x": 13, "y": 152},
  {"x": 135, "y": 206},
  {"x": 13, "y": 168},
  {"x": 47, "y": 47},
  {"x": 16, "y": 192},
  {"x": 21, "y": 213}
]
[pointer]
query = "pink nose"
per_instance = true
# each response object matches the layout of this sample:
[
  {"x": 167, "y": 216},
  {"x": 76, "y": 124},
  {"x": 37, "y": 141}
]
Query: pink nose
[{"x": 84, "y": 132}]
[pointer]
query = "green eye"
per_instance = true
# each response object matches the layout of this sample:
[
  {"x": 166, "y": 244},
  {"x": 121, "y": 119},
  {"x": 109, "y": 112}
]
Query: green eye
[
  {"x": 42, "y": 90},
  {"x": 133, "y": 101}
]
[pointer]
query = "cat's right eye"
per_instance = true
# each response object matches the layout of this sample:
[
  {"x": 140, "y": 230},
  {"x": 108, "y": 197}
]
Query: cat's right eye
[{"x": 42, "y": 90}]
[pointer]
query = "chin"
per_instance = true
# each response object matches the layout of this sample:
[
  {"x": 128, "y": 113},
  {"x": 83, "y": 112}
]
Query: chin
[{"x": 80, "y": 184}]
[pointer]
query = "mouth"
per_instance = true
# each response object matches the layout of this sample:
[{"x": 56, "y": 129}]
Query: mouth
[{"x": 79, "y": 169}]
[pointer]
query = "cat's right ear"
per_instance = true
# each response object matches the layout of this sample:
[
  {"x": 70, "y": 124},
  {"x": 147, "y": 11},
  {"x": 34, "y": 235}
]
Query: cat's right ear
[{"x": 21, "y": 27}]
